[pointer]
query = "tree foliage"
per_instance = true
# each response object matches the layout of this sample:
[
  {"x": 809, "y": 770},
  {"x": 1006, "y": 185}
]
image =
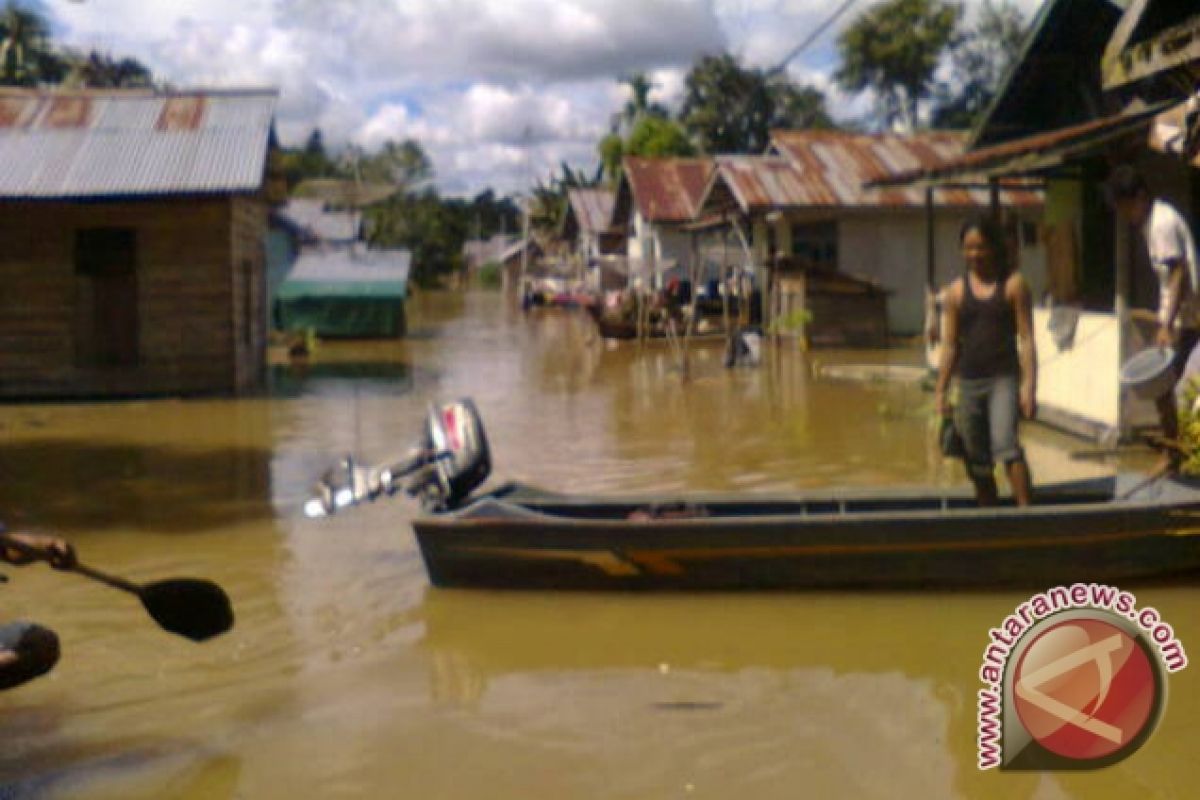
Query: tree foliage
[
  {"x": 26, "y": 55},
  {"x": 980, "y": 59},
  {"x": 96, "y": 70},
  {"x": 655, "y": 137},
  {"x": 894, "y": 49},
  {"x": 730, "y": 108},
  {"x": 434, "y": 228},
  {"x": 431, "y": 228},
  {"x": 309, "y": 161},
  {"x": 641, "y": 127},
  {"x": 639, "y": 105},
  {"x": 403, "y": 164}
]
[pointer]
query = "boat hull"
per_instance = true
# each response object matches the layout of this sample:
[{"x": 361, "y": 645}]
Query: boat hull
[{"x": 521, "y": 538}]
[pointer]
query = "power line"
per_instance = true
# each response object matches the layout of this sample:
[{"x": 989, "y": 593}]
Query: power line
[{"x": 812, "y": 37}]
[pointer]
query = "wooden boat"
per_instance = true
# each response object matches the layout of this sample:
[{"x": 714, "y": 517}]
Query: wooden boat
[
  {"x": 611, "y": 327},
  {"x": 1100, "y": 530}
]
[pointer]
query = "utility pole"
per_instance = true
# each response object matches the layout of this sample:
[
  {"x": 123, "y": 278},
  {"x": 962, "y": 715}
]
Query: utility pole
[{"x": 526, "y": 136}]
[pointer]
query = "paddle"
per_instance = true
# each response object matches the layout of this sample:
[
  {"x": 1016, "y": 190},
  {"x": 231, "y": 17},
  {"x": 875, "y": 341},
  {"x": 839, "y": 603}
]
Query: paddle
[{"x": 191, "y": 607}]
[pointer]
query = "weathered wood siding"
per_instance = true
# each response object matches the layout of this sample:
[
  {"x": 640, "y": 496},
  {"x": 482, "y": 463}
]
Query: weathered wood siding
[
  {"x": 249, "y": 290},
  {"x": 187, "y": 252}
]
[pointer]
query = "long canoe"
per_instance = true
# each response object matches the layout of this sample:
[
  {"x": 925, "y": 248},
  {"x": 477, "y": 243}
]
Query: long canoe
[
  {"x": 1115, "y": 529},
  {"x": 1107, "y": 530}
]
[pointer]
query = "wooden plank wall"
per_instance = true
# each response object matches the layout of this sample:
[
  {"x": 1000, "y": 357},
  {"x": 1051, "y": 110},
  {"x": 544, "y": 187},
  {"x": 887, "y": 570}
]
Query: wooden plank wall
[
  {"x": 248, "y": 229},
  {"x": 185, "y": 298}
]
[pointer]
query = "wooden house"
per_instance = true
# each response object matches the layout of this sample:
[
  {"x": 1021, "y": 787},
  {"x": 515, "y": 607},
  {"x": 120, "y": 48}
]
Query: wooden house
[
  {"x": 1136, "y": 80},
  {"x": 805, "y": 207},
  {"x": 587, "y": 227},
  {"x": 656, "y": 199},
  {"x": 134, "y": 227}
]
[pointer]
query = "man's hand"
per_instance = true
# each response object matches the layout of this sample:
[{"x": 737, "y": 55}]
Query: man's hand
[
  {"x": 58, "y": 552},
  {"x": 1164, "y": 338}
]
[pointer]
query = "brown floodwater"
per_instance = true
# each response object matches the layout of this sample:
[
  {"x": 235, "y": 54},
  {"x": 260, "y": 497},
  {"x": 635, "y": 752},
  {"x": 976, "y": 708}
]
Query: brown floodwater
[{"x": 348, "y": 676}]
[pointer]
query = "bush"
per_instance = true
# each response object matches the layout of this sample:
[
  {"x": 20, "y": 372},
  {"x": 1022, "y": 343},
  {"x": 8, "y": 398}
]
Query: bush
[
  {"x": 1189, "y": 427},
  {"x": 491, "y": 275}
]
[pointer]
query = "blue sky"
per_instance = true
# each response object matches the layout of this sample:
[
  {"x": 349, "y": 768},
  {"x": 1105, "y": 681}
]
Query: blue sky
[{"x": 467, "y": 78}]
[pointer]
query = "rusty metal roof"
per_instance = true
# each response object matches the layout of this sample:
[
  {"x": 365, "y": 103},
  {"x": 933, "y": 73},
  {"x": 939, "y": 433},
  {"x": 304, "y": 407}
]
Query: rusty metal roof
[
  {"x": 591, "y": 209},
  {"x": 837, "y": 169},
  {"x": 1035, "y": 153},
  {"x": 667, "y": 189},
  {"x": 90, "y": 143}
]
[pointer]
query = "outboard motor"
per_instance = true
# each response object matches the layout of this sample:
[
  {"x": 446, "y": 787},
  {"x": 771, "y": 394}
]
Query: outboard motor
[
  {"x": 461, "y": 462},
  {"x": 451, "y": 461}
]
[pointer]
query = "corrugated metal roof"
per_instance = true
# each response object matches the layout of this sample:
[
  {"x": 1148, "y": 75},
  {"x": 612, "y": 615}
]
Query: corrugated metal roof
[
  {"x": 592, "y": 208},
  {"x": 831, "y": 169},
  {"x": 1035, "y": 152},
  {"x": 667, "y": 189},
  {"x": 88, "y": 143},
  {"x": 346, "y": 271},
  {"x": 329, "y": 226}
]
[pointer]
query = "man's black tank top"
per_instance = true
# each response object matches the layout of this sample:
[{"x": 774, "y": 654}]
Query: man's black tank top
[{"x": 987, "y": 334}]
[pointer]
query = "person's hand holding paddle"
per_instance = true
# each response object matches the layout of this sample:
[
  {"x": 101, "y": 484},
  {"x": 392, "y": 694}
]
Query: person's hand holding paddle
[
  {"x": 57, "y": 552},
  {"x": 192, "y": 607}
]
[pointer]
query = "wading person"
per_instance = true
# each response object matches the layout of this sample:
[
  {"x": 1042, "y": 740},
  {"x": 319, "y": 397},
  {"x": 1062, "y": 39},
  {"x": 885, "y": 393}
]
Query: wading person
[
  {"x": 28, "y": 651},
  {"x": 1172, "y": 252},
  {"x": 987, "y": 342}
]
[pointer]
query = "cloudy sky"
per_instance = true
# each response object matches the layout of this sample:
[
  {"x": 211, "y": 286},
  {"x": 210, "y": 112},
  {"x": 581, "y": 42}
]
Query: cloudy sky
[{"x": 497, "y": 91}]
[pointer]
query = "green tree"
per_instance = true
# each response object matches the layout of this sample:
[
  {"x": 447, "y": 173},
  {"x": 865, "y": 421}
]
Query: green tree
[
  {"x": 612, "y": 150},
  {"x": 309, "y": 161},
  {"x": 638, "y": 106},
  {"x": 654, "y": 137},
  {"x": 431, "y": 228},
  {"x": 26, "y": 57},
  {"x": 97, "y": 70},
  {"x": 729, "y": 108},
  {"x": 799, "y": 106},
  {"x": 403, "y": 164},
  {"x": 981, "y": 58},
  {"x": 490, "y": 215},
  {"x": 894, "y": 49}
]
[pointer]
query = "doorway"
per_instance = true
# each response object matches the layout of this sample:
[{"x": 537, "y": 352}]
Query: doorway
[{"x": 106, "y": 315}]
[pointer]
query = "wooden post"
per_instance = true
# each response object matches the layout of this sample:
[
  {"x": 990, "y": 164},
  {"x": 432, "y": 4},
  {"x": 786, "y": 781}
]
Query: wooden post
[
  {"x": 725, "y": 288},
  {"x": 1124, "y": 241},
  {"x": 693, "y": 278},
  {"x": 930, "y": 241}
]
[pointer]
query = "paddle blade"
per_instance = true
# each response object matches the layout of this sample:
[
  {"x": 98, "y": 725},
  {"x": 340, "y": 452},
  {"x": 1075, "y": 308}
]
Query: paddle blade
[{"x": 191, "y": 607}]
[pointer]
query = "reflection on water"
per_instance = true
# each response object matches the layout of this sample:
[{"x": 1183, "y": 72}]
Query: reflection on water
[{"x": 348, "y": 677}]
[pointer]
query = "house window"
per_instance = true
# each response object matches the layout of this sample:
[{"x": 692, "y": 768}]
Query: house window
[
  {"x": 814, "y": 244},
  {"x": 106, "y": 307}
]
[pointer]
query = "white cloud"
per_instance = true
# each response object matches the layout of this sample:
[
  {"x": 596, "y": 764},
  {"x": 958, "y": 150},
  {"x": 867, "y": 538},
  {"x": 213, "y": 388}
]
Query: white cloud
[
  {"x": 497, "y": 92},
  {"x": 494, "y": 135}
]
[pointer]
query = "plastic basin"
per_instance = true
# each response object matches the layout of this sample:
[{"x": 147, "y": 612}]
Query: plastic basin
[{"x": 1149, "y": 373}]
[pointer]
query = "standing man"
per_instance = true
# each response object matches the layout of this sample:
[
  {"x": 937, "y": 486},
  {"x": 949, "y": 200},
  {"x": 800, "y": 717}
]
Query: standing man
[
  {"x": 27, "y": 650},
  {"x": 1172, "y": 251}
]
